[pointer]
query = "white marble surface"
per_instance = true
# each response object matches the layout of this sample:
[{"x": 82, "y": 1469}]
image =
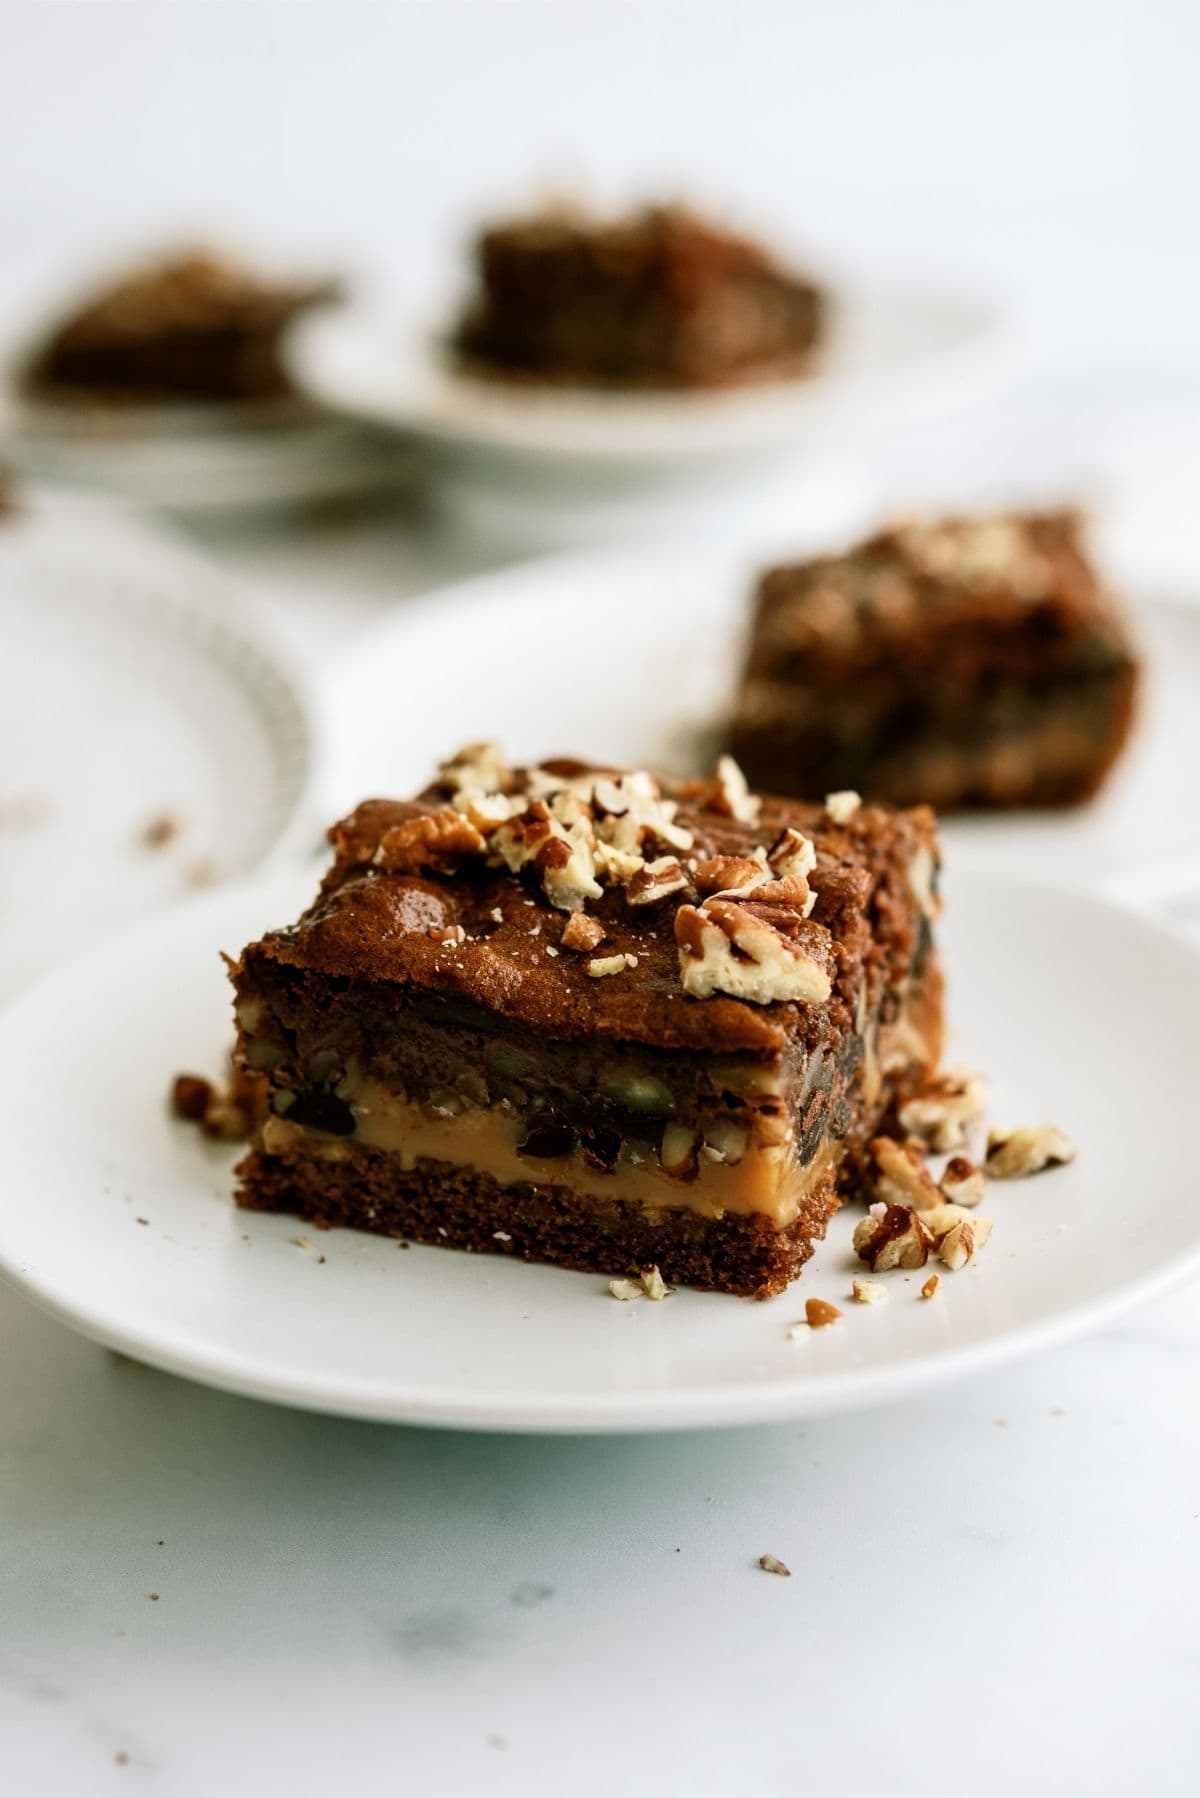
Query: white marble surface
[{"x": 993, "y": 1590}]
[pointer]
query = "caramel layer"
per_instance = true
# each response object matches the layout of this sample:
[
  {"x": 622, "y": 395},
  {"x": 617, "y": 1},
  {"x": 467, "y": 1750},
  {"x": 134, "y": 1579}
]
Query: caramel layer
[{"x": 767, "y": 1180}]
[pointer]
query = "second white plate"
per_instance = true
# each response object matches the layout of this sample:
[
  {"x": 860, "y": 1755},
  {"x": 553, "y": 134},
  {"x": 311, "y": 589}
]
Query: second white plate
[{"x": 634, "y": 659}]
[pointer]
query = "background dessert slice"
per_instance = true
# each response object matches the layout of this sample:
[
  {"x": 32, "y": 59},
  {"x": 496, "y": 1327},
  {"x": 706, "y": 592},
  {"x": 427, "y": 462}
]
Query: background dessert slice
[
  {"x": 192, "y": 326},
  {"x": 974, "y": 661},
  {"x": 660, "y": 298},
  {"x": 595, "y": 1019}
]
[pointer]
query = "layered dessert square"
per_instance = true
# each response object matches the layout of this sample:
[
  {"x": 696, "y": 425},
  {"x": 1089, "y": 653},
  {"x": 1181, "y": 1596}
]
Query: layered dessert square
[
  {"x": 594, "y": 1018},
  {"x": 660, "y": 298},
  {"x": 190, "y": 327},
  {"x": 963, "y": 662}
]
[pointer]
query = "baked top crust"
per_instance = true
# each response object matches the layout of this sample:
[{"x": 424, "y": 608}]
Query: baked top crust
[{"x": 414, "y": 906}]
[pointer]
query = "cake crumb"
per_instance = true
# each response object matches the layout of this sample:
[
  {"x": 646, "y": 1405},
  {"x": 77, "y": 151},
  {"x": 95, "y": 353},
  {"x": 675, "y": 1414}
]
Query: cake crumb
[
  {"x": 819, "y": 1313},
  {"x": 160, "y": 830},
  {"x": 302, "y": 1242},
  {"x": 772, "y": 1564},
  {"x": 930, "y": 1287},
  {"x": 121, "y": 1758},
  {"x": 653, "y": 1284}
]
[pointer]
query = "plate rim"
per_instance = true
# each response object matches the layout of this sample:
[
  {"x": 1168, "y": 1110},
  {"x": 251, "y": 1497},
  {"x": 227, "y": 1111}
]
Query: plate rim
[
  {"x": 597, "y": 1412},
  {"x": 765, "y": 415}
]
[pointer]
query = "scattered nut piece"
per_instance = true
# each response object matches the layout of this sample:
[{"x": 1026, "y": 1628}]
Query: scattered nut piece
[
  {"x": 898, "y": 1176},
  {"x": 930, "y": 1287},
  {"x": 892, "y": 1236},
  {"x": 1012, "y": 1154},
  {"x": 581, "y": 931},
  {"x": 963, "y": 1242},
  {"x": 943, "y": 1218},
  {"x": 819, "y": 1313},
  {"x": 942, "y": 1110},
  {"x": 772, "y": 1564},
  {"x": 160, "y": 831},
  {"x": 962, "y": 1182},
  {"x": 653, "y": 1284},
  {"x": 191, "y": 1095},
  {"x": 868, "y": 1292},
  {"x": 600, "y": 965},
  {"x": 625, "y": 1289},
  {"x": 841, "y": 806}
]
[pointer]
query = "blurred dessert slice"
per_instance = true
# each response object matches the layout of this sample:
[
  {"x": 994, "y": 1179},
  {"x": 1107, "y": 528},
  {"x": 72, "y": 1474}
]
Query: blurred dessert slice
[
  {"x": 660, "y": 298},
  {"x": 963, "y": 662},
  {"x": 192, "y": 326}
]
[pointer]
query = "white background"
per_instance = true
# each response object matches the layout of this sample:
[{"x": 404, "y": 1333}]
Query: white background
[{"x": 1049, "y": 146}]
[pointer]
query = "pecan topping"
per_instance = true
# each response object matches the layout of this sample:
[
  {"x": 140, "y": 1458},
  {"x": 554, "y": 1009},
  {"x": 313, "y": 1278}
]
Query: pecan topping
[
  {"x": 729, "y": 792},
  {"x": 600, "y": 965},
  {"x": 435, "y": 840},
  {"x": 841, "y": 807},
  {"x": 791, "y": 856},
  {"x": 582, "y": 932},
  {"x": 747, "y": 951},
  {"x": 655, "y": 881},
  {"x": 730, "y": 875},
  {"x": 892, "y": 1236},
  {"x": 1012, "y": 1154}
]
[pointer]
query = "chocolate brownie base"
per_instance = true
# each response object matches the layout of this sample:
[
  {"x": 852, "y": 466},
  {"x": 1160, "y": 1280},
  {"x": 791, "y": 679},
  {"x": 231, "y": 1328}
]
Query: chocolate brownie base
[{"x": 455, "y": 1207}]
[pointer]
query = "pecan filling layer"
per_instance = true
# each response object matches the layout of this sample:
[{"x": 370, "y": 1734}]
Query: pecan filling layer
[{"x": 671, "y": 1174}]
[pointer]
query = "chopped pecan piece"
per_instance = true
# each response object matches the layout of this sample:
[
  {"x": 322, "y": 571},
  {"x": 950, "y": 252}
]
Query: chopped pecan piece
[
  {"x": 944, "y": 1108},
  {"x": 435, "y": 840},
  {"x": 841, "y": 807},
  {"x": 655, "y": 881},
  {"x": 964, "y": 1241},
  {"x": 582, "y": 932},
  {"x": 898, "y": 1176},
  {"x": 868, "y": 1292},
  {"x": 892, "y": 1236},
  {"x": 1012, "y": 1154},
  {"x": 963, "y": 1183},
  {"x": 748, "y": 952}
]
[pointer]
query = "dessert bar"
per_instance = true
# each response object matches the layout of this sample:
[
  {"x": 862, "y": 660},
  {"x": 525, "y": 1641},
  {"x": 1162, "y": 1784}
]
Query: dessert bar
[
  {"x": 658, "y": 299},
  {"x": 192, "y": 327},
  {"x": 973, "y": 661},
  {"x": 590, "y": 1017}
]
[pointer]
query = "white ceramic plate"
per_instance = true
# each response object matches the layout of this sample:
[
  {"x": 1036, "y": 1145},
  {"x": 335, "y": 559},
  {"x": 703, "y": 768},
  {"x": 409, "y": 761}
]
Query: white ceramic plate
[
  {"x": 192, "y": 459},
  {"x": 886, "y": 349},
  {"x": 118, "y": 1220},
  {"x": 133, "y": 686},
  {"x": 634, "y": 659}
]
